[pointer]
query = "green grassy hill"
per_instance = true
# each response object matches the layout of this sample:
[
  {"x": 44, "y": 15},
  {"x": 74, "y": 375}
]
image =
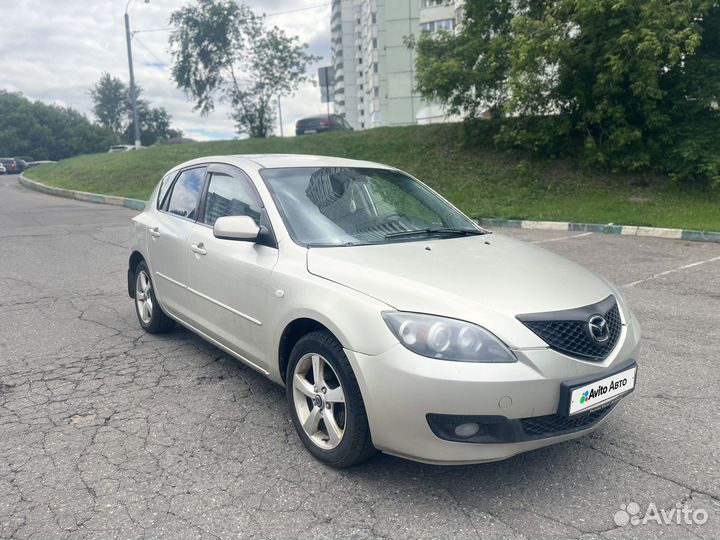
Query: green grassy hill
[{"x": 480, "y": 180}]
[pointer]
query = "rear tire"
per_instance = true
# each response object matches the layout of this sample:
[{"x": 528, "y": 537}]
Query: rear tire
[
  {"x": 325, "y": 403},
  {"x": 149, "y": 313}
]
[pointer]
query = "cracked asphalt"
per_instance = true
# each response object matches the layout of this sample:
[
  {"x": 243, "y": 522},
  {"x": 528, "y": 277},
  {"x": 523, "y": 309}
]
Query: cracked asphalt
[{"x": 106, "y": 432}]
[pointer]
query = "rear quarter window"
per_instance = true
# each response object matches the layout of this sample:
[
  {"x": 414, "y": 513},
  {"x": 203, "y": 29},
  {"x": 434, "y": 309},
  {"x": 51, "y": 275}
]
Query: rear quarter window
[{"x": 165, "y": 184}]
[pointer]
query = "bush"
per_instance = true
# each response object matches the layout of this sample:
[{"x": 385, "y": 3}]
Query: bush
[
  {"x": 695, "y": 155},
  {"x": 47, "y": 131},
  {"x": 628, "y": 85}
]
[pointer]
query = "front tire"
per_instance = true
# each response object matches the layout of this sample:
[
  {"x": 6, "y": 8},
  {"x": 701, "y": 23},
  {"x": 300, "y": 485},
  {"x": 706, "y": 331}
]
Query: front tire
[
  {"x": 325, "y": 403},
  {"x": 149, "y": 313}
]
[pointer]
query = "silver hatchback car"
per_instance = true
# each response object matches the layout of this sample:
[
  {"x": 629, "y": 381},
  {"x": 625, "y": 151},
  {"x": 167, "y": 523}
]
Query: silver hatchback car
[{"x": 394, "y": 322}]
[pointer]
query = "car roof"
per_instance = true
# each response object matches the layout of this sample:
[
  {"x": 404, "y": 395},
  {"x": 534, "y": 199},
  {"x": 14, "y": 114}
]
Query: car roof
[
  {"x": 276, "y": 161},
  {"x": 272, "y": 161},
  {"x": 318, "y": 116}
]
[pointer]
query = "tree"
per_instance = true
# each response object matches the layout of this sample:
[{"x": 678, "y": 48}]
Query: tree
[
  {"x": 223, "y": 53},
  {"x": 113, "y": 109},
  {"x": 47, "y": 131},
  {"x": 622, "y": 77},
  {"x": 111, "y": 105},
  {"x": 154, "y": 125}
]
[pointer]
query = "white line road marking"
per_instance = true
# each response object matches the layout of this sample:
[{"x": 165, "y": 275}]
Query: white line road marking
[
  {"x": 672, "y": 271},
  {"x": 562, "y": 238}
]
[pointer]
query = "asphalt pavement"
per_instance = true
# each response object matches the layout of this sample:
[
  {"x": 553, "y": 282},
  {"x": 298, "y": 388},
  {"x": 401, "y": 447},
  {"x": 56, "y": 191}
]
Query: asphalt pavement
[{"x": 106, "y": 432}]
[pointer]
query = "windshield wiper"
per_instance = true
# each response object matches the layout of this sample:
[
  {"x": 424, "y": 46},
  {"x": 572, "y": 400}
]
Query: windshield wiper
[
  {"x": 418, "y": 232},
  {"x": 341, "y": 244}
]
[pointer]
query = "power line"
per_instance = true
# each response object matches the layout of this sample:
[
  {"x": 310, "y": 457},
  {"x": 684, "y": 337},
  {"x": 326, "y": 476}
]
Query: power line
[
  {"x": 165, "y": 29},
  {"x": 155, "y": 56},
  {"x": 318, "y": 6},
  {"x": 272, "y": 14}
]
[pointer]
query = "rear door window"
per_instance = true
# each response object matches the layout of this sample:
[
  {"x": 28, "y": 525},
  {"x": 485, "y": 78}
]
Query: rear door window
[{"x": 185, "y": 193}]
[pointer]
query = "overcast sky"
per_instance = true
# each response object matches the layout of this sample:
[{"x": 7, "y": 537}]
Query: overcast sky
[{"x": 55, "y": 50}]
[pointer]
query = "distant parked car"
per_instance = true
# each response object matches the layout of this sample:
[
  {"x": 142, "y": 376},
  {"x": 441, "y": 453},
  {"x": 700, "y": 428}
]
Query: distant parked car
[
  {"x": 3, "y": 170},
  {"x": 121, "y": 148},
  {"x": 41, "y": 162},
  {"x": 22, "y": 164},
  {"x": 320, "y": 123},
  {"x": 11, "y": 165},
  {"x": 26, "y": 159}
]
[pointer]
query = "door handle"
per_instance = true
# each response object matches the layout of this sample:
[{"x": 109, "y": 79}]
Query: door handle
[
  {"x": 155, "y": 232},
  {"x": 198, "y": 249}
]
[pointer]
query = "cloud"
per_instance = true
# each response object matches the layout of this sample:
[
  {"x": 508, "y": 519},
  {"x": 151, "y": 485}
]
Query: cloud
[{"x": 60, "y": 49}]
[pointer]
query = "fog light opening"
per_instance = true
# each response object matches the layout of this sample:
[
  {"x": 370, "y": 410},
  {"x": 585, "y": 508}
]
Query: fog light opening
[{"x": 467, "y": 430}]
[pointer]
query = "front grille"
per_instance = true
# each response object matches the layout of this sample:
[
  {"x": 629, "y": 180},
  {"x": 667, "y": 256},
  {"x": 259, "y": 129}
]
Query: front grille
[
  {"x": 568, "y": 331},
  {"x": 501, "y": 430},
  {"x": 551, "y": 425}
]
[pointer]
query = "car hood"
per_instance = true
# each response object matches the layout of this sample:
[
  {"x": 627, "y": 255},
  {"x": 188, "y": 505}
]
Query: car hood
[{"x": 486, "y": 279}]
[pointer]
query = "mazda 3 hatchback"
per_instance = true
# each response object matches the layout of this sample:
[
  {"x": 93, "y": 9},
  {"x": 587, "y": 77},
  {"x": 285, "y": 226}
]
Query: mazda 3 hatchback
[{"x": 394, "y": 322}]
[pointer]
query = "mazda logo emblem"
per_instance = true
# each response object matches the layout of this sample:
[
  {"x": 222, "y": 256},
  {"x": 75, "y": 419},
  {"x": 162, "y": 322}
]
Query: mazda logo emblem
[{"x": 598, "y": 328}]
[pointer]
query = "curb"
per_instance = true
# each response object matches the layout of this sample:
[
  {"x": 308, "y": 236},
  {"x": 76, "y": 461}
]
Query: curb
[
  {"x": 134, "y": 204},
  {"x": 610, "y": 228}
]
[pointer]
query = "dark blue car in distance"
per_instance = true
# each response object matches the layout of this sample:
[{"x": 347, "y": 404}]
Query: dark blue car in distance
[{"x": 321, "y": 123}]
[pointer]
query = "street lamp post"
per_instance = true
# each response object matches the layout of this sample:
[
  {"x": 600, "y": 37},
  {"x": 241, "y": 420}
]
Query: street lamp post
[{"x": 133, "y": 90}]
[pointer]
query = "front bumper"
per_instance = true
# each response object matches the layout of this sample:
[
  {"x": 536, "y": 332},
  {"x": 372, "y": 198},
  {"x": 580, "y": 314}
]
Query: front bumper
[{"x": 400, "y": 389}]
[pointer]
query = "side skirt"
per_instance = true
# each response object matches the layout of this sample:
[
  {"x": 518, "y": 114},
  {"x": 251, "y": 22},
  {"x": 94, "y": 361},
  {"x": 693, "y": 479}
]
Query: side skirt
[{"x": 217, "y": 344}]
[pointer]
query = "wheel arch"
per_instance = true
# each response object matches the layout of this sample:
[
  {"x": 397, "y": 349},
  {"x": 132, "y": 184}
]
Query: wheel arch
[
  {"x": 292, "y": 333},
  {"x": 135, "y": 259}
]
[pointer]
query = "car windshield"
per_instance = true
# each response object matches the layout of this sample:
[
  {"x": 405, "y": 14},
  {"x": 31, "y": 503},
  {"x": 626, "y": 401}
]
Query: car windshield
[{"x": 341, "y": 206}]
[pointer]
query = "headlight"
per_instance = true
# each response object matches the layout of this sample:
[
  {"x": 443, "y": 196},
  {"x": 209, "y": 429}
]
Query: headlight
[{"x": 446, "y": 339}]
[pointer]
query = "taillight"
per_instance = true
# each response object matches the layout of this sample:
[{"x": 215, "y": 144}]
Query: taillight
[{"x": 323, "y": 122}]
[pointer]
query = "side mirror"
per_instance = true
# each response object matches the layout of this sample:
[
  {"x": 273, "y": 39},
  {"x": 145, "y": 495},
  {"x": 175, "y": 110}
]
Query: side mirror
[{"x": 236, "y": 228}]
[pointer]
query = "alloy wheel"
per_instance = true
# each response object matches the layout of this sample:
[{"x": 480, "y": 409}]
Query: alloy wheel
[
  {"x": 319, "y": 401},
  {"x": 143, "y": 296}
]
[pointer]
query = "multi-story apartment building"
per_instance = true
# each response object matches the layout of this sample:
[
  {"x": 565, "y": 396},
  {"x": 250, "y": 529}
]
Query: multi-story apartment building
[
  {"x": 375, "y": 68},
  {"x": 345, "y": 60},
  {"x": 436, "y": 15}
]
